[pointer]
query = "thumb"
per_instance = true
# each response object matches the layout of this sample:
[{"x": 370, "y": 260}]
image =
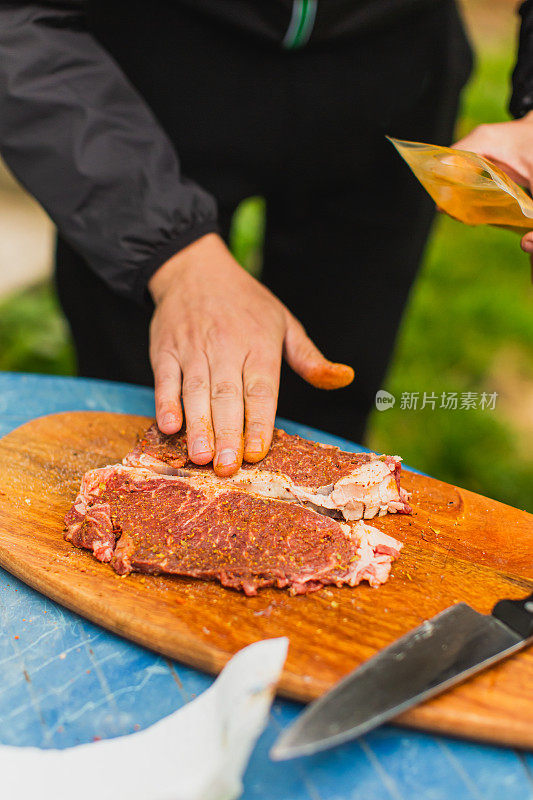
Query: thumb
[
  {"x": 527, "y": 243},
  {"x": 501, "y": 144},
  {"x": 527, "y": 246},
  {"x": 304, "y": 357}
]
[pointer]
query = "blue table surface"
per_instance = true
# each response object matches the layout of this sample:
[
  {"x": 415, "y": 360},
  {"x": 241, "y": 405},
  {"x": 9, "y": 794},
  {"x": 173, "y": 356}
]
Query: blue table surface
[{"x": 65, "y": 681}]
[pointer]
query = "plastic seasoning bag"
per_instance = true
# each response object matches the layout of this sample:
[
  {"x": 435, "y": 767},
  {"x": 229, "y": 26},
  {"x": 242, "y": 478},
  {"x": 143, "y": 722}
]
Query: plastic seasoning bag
[{"x": 468, "y": 187}]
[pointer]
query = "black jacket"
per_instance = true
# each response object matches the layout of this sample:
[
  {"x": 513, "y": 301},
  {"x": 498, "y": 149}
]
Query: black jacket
[{"x": 82, "y": 140}]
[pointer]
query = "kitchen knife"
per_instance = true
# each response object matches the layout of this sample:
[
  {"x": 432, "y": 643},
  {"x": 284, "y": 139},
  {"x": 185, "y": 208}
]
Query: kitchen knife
[{"x": 439, "y": 653}]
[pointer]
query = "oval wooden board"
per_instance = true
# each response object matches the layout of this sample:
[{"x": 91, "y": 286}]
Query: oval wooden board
[{"x": 458, "y": 546}]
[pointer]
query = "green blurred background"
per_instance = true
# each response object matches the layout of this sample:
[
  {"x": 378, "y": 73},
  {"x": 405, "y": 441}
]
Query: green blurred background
[{"x": 468, "y": 326}]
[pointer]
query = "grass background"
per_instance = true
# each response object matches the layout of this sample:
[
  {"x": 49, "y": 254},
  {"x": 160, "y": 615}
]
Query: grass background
[{"x": 468, "y": 326}]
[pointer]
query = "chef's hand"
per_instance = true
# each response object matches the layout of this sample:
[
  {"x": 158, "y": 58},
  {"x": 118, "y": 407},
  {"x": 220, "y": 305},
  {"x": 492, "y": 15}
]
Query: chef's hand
[
  {"x": 509, "y": 145},
  {"x": 216, "y": 341}
]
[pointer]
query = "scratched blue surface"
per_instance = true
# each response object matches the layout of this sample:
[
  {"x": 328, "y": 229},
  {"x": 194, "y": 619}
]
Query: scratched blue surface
[{"x": 65, "y": 681}]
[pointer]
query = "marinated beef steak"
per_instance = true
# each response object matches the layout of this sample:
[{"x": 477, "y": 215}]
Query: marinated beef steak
[
  {"x": 203, "y": 528},
  {"x": 350, "y": 485}
]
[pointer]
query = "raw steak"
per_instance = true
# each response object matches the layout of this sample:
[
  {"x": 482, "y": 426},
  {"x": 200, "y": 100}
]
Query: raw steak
[
  {"x": 350, "y": 485},
  {"x": 202, "y": 528}
]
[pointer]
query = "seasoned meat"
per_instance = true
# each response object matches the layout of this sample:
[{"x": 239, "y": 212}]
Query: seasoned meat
[
  {"x": 350, "y": 485},
  {"x": 204, "y": 528}
]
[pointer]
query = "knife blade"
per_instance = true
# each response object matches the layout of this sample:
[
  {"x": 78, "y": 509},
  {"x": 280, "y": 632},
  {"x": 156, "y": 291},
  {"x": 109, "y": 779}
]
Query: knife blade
[{"x": 441, "y": 652}]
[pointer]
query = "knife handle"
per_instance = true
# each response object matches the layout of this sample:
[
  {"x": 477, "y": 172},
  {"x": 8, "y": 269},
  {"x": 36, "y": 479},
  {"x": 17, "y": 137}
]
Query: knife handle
[{"x": 516, "y": 614}]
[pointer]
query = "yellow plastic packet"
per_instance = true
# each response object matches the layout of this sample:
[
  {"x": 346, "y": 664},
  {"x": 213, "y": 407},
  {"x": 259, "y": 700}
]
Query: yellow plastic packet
[{"x": 468, "y": 187}]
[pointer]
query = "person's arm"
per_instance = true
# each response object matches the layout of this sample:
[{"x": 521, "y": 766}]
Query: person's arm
[
  {"x": 85, "y": 144},
  {"x": 510, "y": 144},
  {"x": 80, "y": 138},
  {"x": 522, "y": 96}
]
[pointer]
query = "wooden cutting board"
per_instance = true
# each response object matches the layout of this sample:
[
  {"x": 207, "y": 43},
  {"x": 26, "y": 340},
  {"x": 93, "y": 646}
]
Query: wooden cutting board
[{"x": 458, "y": 546}]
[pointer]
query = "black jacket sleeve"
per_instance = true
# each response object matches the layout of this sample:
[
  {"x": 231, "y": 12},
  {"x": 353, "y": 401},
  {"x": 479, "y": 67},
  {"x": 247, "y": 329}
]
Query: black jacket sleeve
[
  {"x": 81, "y": 139},
  {"x": 522, "y": 96}
]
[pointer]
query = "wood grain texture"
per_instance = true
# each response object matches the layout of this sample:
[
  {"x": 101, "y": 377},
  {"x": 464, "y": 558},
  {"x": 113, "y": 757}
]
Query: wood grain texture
[{"x": 458, "y": 546}]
